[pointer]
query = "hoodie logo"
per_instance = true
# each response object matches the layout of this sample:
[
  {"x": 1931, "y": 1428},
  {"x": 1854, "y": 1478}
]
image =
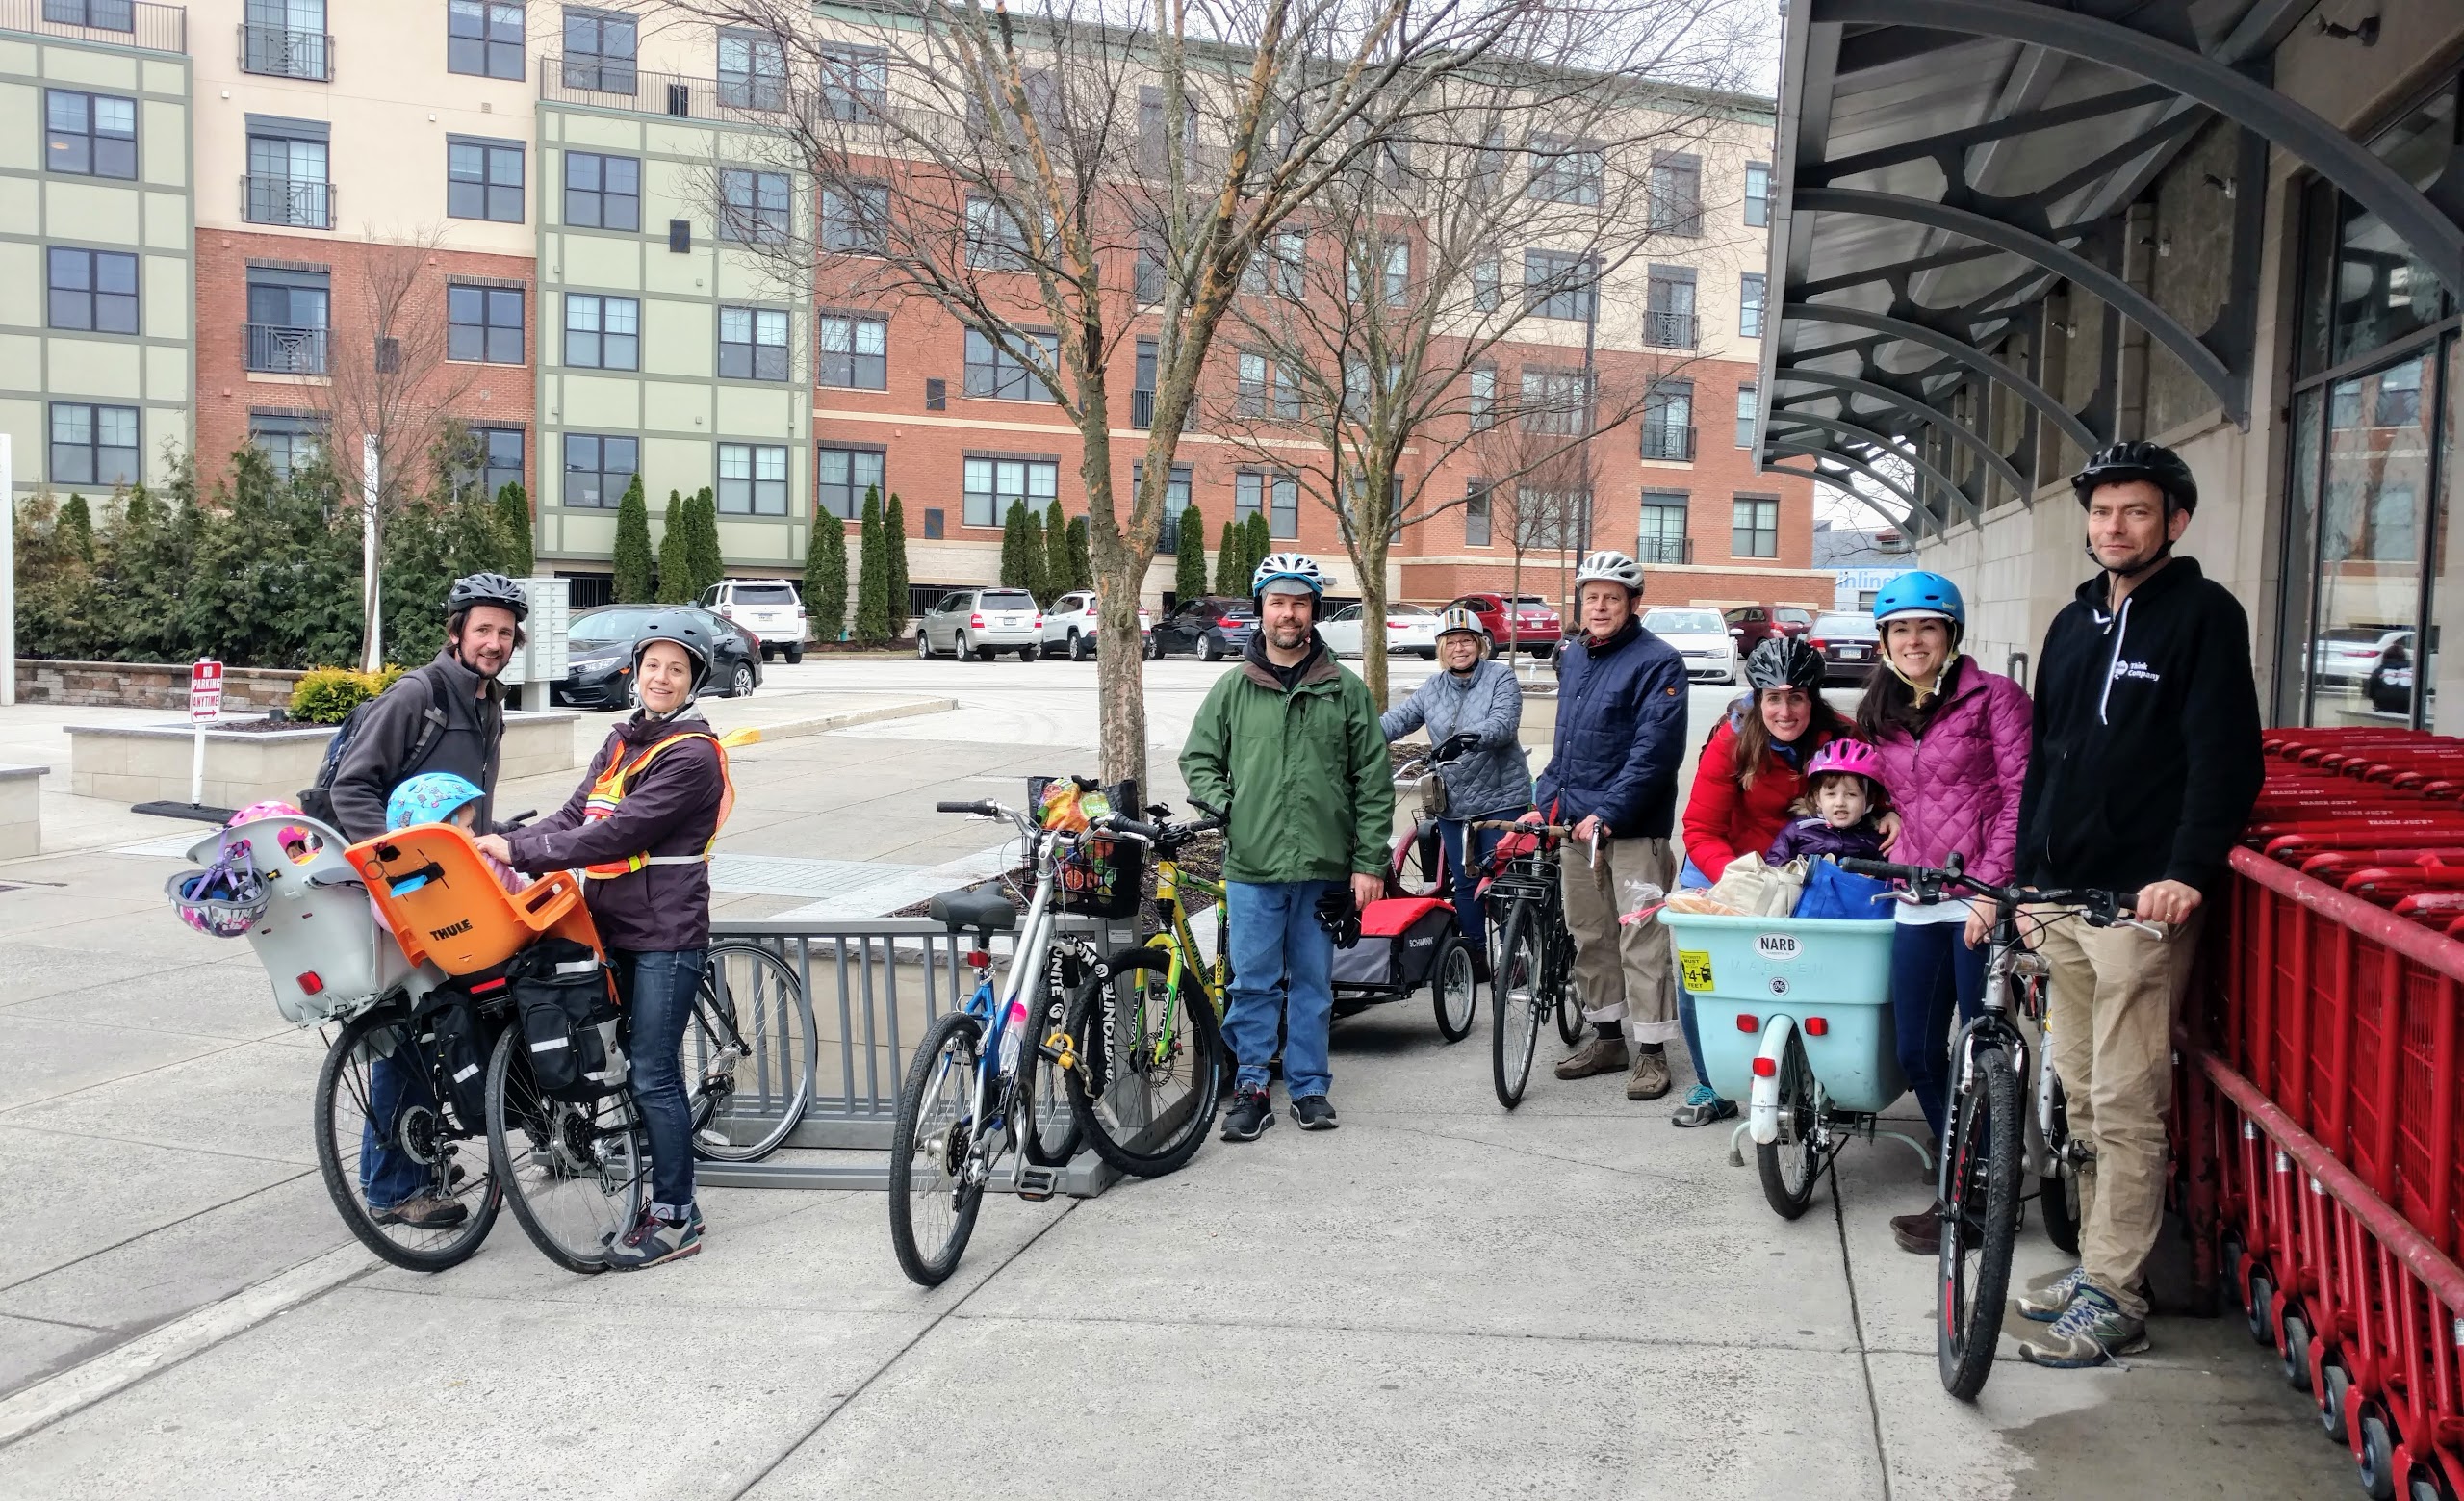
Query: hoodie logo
[{"x": 2134, "y": 669}]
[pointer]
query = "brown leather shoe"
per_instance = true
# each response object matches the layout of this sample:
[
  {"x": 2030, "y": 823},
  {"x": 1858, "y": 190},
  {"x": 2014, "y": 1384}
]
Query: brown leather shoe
[
  {"x": 1597, "y": 1056},
  {"x": 1650, "y": 1079},
  {"x": 1921, "y": 1233}
]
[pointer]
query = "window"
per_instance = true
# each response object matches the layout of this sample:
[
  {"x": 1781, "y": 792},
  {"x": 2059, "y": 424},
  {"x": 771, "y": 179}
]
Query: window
[
  {"x": 1663, "y": 530},
  {"x": 288, "y": 318},
  {"x": 603, "y": 333},
  {"x": 100, "y": 14},
  {"x": 855, "y": 219},
  {"x": 1668, "y": 310},
  {"x": 1146, "y": 274},
  {"x": 752, "y": 71},
  {"x": 598, "y": 469},
  {"x": 94, "y": 135},
  {"x": 1757, "y": 533},
  {"x": 602, "y": 192},
  {"x": 752, "y": 480},
  {"x": 1749, "y": 305},
  {"x": 484, "y": 179},
  {"x": 995, "y": 240},
  {"x": 1476, "y": 513},
  {"x": 755, "y": 205},
  {"x": 855, "y": 353},
  {"x": 1280, "y": 494},
  {"x": 287, "y": 182},
  {"x": 992, "y": 484},
  {"x": 289, "y": 442},
  {"x": 1397, "y": 274},
  {"x": 1154, "y": 142},
  {"x": 287, "y": 38},
  {"x": 1566, "y": 171},
  {"x": 94, "y": 291},
  {"x": 484, "y": 38},
  {"x": 1555, "y": 401},
  {"x": 994, "y": 372},
  {"x": 1757, "y": 193},
  {"x": 599, "y": 51},
  {"x": 1747, "y": 408},
  {"x": 2399, "y": 396},
  {"x": 92, "y": 445},
  {"x": 1668, "y": 420},
  {"x": 1176, "y": 499},
  {"x": 499, "y": 453},
  {"x": 1676, "y": 195},
  {"x": 1483, "y": 397},
  {"x": 483, "y": 324},
  {"x": 752, "y": 344},
  {"x": 1281, "y": 267},
  {"x": 855, "y": 83},
  {"x": 1559, "y": 285},
  {"x": 1485, "y": 276},
  {"x": 841, "y": 477}
]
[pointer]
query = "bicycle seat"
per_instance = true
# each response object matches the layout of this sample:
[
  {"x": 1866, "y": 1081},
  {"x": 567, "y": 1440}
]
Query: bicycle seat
[{"x": 981, "y": 912}]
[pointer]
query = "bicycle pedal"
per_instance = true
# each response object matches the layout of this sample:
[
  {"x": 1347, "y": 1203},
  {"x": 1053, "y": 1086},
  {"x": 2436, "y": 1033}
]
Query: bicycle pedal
[{"x": 1037, "y": 1184}]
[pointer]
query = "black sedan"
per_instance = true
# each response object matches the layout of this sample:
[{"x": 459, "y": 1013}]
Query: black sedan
[
  {"x": 1848, "y": 645},
  {"x": 1213, "y": 627},
  {"x": 598, "y": 655}
]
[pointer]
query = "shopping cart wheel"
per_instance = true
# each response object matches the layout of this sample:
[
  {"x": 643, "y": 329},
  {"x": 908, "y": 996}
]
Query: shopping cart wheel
[
  {"x": 2231, "y": 1263},
  {"x": 2378, "y": 1454},
  {"x": 2294, "y": 1350},
  {"x": 2262, "y": 1297},
  {"x": 2335, "y": 1385},
  {"x": 2426, "y": 1487}
]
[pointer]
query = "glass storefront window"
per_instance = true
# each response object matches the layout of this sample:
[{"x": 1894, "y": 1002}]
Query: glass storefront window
[
  {"x": 2383, "y": 289},
  {"x": 2373, "y": 513},
  {"x": 2301, "y": 553}
]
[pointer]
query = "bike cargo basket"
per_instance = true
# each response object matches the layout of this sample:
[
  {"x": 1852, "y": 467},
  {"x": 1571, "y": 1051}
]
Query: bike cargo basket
[
  {"x": 1399, "y": 937},
  {"x": 1744, "y": 971},
  {"x": 1098, "y": 878}
]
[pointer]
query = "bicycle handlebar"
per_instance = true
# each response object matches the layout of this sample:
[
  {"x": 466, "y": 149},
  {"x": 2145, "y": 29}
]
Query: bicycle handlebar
[
  {"x": 1121, "y": 823},
  {"x": 983, "y": 808},
  {"x": 2102, "y": 907}
]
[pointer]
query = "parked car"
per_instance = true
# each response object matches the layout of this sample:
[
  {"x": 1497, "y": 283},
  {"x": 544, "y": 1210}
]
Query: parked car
[
  {"x": 1410, "y": 630},
  {"x": 1757, "y": 624},
  {"x": 1070, "y": 626},
  {"x": 2346, "y": 655},
  {"x": 984, "y": 622},
  {"x": 1701, "y": 637},
  {"x": 599, "y": 657},
  {"x": 1532, "y": 623},
  {"x": 1848, "y": 645},
  {"x": 768, "y": 608},
  {"x": 2389, "y": 687},
  {"x": 1213, "y": 627}
]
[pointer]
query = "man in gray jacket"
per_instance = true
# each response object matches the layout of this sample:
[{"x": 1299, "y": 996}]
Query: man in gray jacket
[
  {"x": 1473, "y": 712},
  {"x": 454, "y": 707}
]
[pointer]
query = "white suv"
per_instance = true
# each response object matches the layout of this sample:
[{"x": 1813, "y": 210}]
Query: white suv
[
  {"x": 1070, "y": 624},
  {"x": 768, "y": 608}
]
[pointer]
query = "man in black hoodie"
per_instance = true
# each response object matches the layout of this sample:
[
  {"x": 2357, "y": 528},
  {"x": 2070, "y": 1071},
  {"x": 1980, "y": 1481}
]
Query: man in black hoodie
[{"x": 2140, "y": 775}]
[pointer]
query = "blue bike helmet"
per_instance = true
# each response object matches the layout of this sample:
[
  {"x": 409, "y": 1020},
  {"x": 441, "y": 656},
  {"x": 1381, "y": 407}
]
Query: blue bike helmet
[
  {"x": 1918, "y": 593},
  {"x": 430, "y": 797}
]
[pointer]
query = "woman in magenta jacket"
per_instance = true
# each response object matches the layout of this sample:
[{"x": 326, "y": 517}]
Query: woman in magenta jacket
[{"x": 1954, "y": 745}]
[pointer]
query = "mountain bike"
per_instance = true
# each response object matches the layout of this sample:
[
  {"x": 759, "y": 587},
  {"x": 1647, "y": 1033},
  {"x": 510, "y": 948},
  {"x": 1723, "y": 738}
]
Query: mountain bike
[
  {"x": 1984, "y": 1158},
  {"x": 1531, "y": 975}
]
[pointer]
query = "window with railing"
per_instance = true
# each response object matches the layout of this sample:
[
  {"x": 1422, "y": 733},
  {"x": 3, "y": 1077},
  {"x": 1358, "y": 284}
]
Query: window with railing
[
  {"x": 1668, "y": 308},
  {"x": 601, "y": 52},
  {"x": 1141, "y": 395},
  {"x": 287, "y": 316},
  {"x": 1176, "y": 501},
  {"x": 752, "y": 71},
  {"x": 1668, "y": 420},
  {"x": 484, "y": 38},
  {"x": 99, "y": 14},
  {"x": 1663, "y": 538},
  {"x": 855, "y": 83},
  {"x": 287, "y": 38},
  {"x": 286, "y": 183}
]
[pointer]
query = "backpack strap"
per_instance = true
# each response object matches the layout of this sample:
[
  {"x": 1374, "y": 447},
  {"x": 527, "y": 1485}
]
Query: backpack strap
[{"x": 433, "y": 721}]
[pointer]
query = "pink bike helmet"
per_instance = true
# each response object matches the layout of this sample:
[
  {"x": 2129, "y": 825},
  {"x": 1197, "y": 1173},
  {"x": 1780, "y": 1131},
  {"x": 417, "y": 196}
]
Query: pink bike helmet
[
  {"x": 289, "y": 835},
  {"x": 1854, "y": 757}
]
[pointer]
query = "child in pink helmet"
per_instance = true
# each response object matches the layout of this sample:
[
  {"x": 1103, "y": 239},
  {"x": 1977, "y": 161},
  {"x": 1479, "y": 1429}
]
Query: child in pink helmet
[{"x": 1844, "y": 796}]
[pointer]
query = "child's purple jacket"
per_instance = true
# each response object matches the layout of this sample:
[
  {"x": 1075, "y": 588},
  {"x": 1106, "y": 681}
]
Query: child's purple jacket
[{"x": 1815, "y": 838}]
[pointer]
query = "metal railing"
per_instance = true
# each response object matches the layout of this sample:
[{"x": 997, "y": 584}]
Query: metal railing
[
  {"x": 119, "y": 23},
  {"x": 621, "y": 85},
  {"x": 1667, "y": 440},
  {"x": 280, "y": 351},
  {"x": 279, "y": 52},
  {"x": 1141, "y": 409},
  {"x": 301, "y": 202},
  {"x": 1665, "y": 551},
  {"x": 1668, "y": 330}
]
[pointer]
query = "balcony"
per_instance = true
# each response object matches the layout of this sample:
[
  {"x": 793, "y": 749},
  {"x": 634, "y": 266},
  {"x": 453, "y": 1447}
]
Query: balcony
[
  {"x": 277, "y": 52},
  {"x": 1668, "y": 440},
  {"x": 278, "y": 351},
  {"x": 300, "y": 202},
  {"x": 1141, "y": 409},
  {"x": 119, "y": 23},
  {"x": 1668, "y": 330},
  {"x": 612, "y": 84},
  {"x": 1665, "y": 551}
]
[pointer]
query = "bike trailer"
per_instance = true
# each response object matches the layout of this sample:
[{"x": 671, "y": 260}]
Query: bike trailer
[
  {"x": 1399, "y": 937},
  {"x": 1829, "y": 978},
  {"x": 324, "y": 952},
  {"x": 447, "y": 908}
]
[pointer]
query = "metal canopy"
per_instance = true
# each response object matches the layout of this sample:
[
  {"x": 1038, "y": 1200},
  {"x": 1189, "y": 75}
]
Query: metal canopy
[{"x": 1945, "y": 166}]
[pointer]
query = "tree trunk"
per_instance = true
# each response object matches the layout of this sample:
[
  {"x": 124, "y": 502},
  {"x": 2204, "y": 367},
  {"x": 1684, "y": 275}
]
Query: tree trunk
[
  {"x": 1372, "y": 524},
  {"x": 1121, "y": 677}
]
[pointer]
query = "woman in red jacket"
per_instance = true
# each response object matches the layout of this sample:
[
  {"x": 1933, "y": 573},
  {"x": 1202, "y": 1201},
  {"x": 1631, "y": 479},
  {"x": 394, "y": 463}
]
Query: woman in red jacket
[{"x": 1752, "y": 769}]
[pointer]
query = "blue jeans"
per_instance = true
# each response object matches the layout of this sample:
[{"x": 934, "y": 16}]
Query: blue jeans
[
  {"x": 1275, "y": 937},
  {"x": 387, "y": 1174},
  {"x": 657, "y": 989},
  {"x": 1932, "y": 970},
  {"x": 1690, "y": 877},
  {"x": 1470, "y": 912}
]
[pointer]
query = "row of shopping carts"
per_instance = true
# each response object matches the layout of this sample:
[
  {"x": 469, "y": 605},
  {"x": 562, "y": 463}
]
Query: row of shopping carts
[{"x": 2323, "y": 1092}]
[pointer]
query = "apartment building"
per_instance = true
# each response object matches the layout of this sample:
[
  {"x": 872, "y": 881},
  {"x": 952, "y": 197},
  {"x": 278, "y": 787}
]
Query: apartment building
[{"x": 544, "y": 178}]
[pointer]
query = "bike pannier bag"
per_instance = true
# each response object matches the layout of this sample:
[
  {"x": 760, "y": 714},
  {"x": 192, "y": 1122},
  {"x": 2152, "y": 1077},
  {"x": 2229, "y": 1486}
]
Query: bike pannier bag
[
  {"x": 461, "y": 1039},
  {"x": 1398, "y": 942},
  {"x": 568, "y": 1020}
]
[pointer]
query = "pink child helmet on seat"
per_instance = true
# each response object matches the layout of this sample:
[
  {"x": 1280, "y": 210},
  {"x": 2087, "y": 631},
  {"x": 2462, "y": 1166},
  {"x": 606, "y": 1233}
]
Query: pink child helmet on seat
[
  {"x": 1852, "y": 757},
  {"x": 296, "y": 841}
]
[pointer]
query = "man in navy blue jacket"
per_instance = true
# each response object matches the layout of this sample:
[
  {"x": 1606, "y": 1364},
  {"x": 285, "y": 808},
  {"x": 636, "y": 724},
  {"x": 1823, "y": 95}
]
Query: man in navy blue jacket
[{"x": 1612, "y": 774}]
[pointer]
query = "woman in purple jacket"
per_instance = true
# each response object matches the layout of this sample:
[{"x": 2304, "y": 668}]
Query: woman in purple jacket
[{"x": 1953, "y": 739}]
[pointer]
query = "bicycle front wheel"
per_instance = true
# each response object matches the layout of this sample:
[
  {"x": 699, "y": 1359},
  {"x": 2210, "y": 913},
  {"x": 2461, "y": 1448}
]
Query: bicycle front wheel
[
  {"x": 578, "y": 1173},
  {"x": 1520, "y": 994},
  {"x": 750, "y": 1053},
  {"x": 2058, "y": 1191},
  {"x": 1789, "y": 1166},
  {"x": 1052, "y": 1135},
  {"x": 1982, "y": 1165},
  {"x": 1152, "y": 1063},
  {"x": 934, "y": 1194},
  {"x": 387, "y": 1150}
]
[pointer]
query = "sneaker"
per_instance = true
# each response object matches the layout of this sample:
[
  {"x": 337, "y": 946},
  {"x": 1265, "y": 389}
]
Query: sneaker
[
  {"x": 1650, "y": 1080},
  {"x": 1251, "y": 1113},
  {"x": 1313, "y": 1113},
  {"x": 2047, "y": 1304},
  {"x": 1703, "y": 1107},
  {"x": 1597, "y": 1056},
  {"x": 2093, "y": 1331},
  {"x": 425, "y": 1212},
  {"x": 1919, "y": 1234},
  {"x": 652, "y": 1240}
]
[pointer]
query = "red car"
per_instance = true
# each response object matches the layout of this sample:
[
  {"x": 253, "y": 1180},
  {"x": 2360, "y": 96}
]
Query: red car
[
  {"x": 1535, "y": 624},
  {"x": 1754, "y": 624}
]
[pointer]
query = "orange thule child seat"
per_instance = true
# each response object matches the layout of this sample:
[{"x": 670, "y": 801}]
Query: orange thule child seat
[{"x": 447, "y": 908}]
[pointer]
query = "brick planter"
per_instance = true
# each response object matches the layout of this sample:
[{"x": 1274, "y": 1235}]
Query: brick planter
[
  {"x": 135, "y": 764},
  {"x": 141, "y": 685}
]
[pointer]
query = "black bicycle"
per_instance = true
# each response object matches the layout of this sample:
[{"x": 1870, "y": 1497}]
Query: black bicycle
[
  {"x": 1532, "y": 976},
  {"x": 388, "y": 1138}
]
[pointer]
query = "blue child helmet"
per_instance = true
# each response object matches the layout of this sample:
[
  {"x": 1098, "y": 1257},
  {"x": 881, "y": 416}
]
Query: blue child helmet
[
  {"x": 430, "y": 797},
  {"x": 1917, "y": 592}
]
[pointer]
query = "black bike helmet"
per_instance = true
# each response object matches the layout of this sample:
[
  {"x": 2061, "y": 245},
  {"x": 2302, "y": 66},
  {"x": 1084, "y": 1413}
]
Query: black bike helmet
[
  {"x": 2123, "y": 462},
  {"x": 487, "y": 589},
  {"x": 1782, "y": 661},
  {"x": 688, "y": 629}
]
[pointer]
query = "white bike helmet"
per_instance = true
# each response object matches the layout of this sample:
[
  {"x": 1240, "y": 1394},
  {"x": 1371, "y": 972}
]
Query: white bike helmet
[
  {"x": 1287, "y": 567},
  {"x": 1614, "y": 566},
  {"x": 1458, "y": 618}
]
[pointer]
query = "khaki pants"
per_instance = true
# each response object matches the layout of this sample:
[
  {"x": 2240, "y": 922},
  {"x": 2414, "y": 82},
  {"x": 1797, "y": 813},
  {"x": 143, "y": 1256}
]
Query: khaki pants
[
  {"x": 2111, "y": 1016},
  {"x": 1623, "y": 973}
]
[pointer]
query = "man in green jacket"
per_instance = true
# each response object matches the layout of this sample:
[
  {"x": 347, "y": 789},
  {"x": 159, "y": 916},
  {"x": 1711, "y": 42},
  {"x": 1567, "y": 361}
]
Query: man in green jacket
[{"x": 1290, "y": 743}]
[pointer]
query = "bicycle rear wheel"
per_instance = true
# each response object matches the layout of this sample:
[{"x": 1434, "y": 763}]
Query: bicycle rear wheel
[
  {"x": 409, "y": 1141},
  {"x": 1520, "y": 993},
  {"x": 578, "y": 1173},
  {"x": 933, "y": 1197},
  {"x": 1151, "y": 1064},
  {"x": 1982, "y": 1165},
  {"x": 750, "y": 1053},
  {"x": 2058, "y": 1191},
  {"x": 1790, "y": 1166}
]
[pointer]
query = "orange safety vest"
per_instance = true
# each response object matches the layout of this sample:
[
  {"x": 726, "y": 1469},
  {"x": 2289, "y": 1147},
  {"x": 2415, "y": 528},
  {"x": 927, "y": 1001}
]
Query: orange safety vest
[{"x": 610, "y": 789}]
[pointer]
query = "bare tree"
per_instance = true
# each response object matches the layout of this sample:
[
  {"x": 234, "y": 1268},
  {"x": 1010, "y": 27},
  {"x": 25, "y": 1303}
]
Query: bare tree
[
  {"x": 1071, "y": 177},
  {"x": 1543, "y": 506}
]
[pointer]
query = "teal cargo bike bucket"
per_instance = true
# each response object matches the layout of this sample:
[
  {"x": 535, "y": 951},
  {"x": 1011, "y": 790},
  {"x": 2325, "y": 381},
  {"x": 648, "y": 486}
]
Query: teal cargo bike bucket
[{"x": 1831, "y": 968}]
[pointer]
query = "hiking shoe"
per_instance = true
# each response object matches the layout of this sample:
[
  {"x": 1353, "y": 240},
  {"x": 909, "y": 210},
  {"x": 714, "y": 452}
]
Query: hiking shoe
[
  {"x": 1919, "y": 1234},
  {"x": 654, "y": 1239},
  {"x": 2093, "y": 1331},
  {"x": 1703, "y": 1107},
  {"x": 1650, "y": 1080},
  {"x": 425, "y": 1212},
  {"x": 1251, "y": 1113},
  {"x": 2047, "y": 1304},
  {"x": 1313, "y": 1113},
  {"x": 1597, "y": 1056}
]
